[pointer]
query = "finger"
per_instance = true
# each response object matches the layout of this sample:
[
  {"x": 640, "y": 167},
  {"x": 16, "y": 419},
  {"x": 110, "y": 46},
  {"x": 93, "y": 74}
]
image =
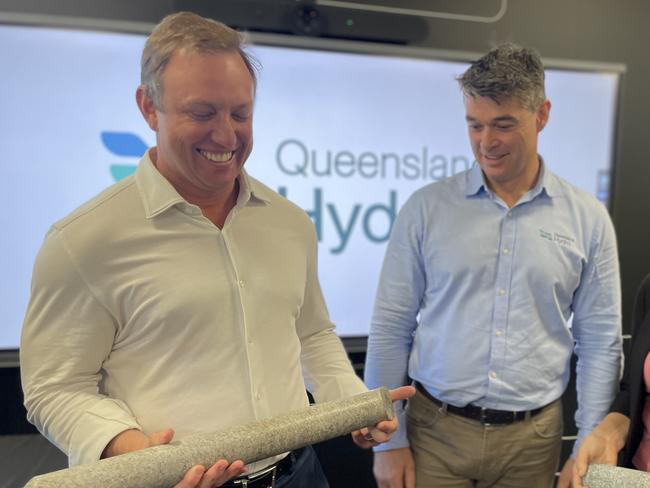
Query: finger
[
  {"x": 235, "y": 469},
  {"x": 409, "y": 477},
  {"x": 383, "y": 431},
  {"x": 579, "y": 468},
  {"x": 192, "y": 478},
  {"x": 402, "y": 393},
  {"x": 365, "y": 436},
  {"x": 162, "y": 437},
  {"x": 363, "y": 441},
  {"x": 378, "y": 436},
  {"x": 213, "y": 474},
  {"x": 576, "y": 481}
]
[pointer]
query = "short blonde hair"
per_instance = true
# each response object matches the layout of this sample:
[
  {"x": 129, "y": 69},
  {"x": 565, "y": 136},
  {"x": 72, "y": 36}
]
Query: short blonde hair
[{"x": 190, "y": 32}]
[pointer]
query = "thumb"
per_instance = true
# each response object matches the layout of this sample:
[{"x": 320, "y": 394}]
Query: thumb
[
  {"x": 402, "y": 393},
  {"x": 162, "y": 437}
]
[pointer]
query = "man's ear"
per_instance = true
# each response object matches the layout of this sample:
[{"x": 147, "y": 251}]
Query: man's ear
[
  {"x": 542, "y": 114},
  {"x": 147, "y": 107}
]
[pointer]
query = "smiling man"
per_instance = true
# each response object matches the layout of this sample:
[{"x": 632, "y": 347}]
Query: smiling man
[
  {"x": 185, "y": 298},
  {"x": 482, "y": 273}
]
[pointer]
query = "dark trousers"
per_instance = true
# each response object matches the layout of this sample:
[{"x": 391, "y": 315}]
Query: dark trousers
[{"x": 305, "y": 472}]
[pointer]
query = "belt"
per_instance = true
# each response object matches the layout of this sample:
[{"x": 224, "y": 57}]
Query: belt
[
  {"x": 267, "y": 477},
  {"x": 486, "y": 416}
]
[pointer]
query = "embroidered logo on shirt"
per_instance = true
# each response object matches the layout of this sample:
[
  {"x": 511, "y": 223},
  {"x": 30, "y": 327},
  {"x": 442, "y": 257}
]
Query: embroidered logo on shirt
[{"x": 561, "y": 239}]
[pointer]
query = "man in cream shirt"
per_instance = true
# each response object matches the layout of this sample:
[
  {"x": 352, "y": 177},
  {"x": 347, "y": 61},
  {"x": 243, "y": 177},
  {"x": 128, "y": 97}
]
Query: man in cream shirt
[{"x": 185, "y": 298}]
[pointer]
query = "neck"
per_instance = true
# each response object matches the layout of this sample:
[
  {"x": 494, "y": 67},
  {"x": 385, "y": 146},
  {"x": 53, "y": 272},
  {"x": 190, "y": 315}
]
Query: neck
[
  {"x": 215, "y": 205},
  {"x": 511, "y": 191},
  {"x": 217, "y": 211}
]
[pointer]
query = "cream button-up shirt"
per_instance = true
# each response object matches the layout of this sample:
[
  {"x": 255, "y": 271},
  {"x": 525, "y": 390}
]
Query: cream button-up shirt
[{"x": 145, "y": 315}]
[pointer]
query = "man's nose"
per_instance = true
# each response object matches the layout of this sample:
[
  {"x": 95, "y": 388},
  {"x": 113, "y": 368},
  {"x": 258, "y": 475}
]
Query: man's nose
[
  {"x": 489, "y": 139},
  {"x": 223, "y": 132}
]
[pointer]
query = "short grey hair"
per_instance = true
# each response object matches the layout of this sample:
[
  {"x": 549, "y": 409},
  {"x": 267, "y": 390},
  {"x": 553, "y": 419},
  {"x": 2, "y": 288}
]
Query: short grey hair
[
  {"x": 187, "y": 31},
  {"x": 507, "y": 72}
]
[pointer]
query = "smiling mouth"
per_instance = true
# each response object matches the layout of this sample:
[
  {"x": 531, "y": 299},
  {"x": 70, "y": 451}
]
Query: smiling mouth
[
  {"x": 494, "y": 157},
  {"x": 216, "y": 157}
]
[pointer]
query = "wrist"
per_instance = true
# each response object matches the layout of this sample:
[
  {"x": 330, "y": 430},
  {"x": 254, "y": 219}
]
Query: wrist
[
  {"x": 613, "y": 429},
  {"x": 125, "y": 441}
]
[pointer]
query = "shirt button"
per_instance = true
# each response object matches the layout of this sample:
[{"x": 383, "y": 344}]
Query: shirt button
[
  {"x": 258, "y": 395},
  {"x": 506, "y": 250},
  {"x": 242, "y": 284},
  {"x": 493, "y": 375},
  {"x": 498, "y": 333},
  {"x": 510, "y": 214},
  {"x": 501, "y": 292}
]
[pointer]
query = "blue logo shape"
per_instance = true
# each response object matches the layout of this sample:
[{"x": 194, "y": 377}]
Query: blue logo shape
[
  {"x": 121, "y": 171},
  {"x": 123, "y": 144}
]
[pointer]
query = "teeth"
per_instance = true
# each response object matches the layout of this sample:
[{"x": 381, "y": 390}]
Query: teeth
[{"x": 216, "y": 157}]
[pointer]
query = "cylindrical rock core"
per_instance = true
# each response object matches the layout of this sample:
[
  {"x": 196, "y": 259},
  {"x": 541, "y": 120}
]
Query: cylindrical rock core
[
  {"x": 605, "y": 476},
  {"x": 164, "y": 466}
]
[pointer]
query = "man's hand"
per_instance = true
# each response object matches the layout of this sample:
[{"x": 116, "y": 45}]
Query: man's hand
[
  {"x": 566, "y": 475},
  {"x": 196, "y": 477},
  {"x": 394, "y": 468},
  {"x": 383, "y": 431},
  {"x": 601, "y": 446},
  {"x": 217, "y": 475}
]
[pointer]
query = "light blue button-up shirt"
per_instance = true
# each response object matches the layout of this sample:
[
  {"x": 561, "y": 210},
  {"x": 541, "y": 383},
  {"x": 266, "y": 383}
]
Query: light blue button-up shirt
[{"x": 475, "y": 298}]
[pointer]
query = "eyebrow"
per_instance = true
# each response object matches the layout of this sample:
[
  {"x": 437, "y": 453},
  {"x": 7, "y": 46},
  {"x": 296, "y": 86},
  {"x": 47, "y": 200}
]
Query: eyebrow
[
  {"x": 199, "y": 103},
  {"x": 503, "y": 118}
]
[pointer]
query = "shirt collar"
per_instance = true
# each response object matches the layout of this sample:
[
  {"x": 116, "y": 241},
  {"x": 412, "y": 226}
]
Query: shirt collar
[
  {"x": 158, "y": 194},
  {"x": 475, "y": 182}
]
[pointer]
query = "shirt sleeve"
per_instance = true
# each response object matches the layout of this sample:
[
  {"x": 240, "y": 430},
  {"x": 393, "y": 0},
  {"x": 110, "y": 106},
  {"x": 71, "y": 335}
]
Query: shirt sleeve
[
  {"x": 66, "y": 336},
  {"x": 597, "y": 331},
  {"x": 394, "y": 319},
  {"x": 326, "y": 367}
]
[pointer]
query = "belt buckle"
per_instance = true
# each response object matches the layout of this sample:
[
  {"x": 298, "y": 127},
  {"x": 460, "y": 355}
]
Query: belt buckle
[
  {"x": 244, "y": 482},
  {"x": 483, "y": 417}
]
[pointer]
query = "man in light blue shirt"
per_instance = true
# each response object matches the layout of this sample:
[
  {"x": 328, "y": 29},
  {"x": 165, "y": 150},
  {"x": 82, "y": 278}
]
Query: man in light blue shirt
[{"x": 482, "y": 273}]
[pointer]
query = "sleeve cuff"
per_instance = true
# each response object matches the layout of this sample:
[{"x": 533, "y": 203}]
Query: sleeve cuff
[{"x": 96, "y": 429}]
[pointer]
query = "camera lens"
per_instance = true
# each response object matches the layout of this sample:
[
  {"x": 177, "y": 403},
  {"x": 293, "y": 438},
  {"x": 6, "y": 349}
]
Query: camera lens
[{"x": 307, "y": 20}]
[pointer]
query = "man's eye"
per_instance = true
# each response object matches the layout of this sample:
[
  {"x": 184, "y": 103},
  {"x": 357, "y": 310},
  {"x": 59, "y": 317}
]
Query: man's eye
[{"x": 201, "y": 115}]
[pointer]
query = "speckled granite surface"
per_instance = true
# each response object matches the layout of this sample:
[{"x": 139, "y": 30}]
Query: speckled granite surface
[
  {"x": 164, "y": 466},
  {"x": 604, "y": 476}
]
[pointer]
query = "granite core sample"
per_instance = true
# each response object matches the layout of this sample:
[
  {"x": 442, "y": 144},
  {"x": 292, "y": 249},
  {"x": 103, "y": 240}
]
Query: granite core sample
[
  {"x": 604, "y": 476},
  {"x": 164, "y": 466}
]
